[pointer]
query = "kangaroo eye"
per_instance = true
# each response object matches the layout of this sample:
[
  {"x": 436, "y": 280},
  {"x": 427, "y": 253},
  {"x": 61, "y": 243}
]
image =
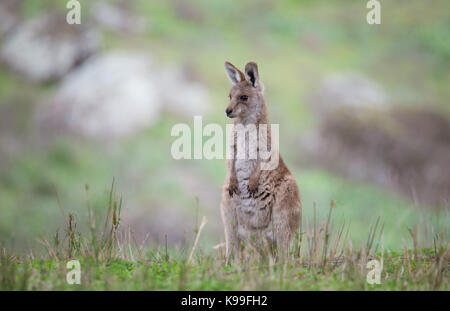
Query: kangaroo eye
[
  {"x": 244, "y": 98},
  {"x": 229, "y": 96}
]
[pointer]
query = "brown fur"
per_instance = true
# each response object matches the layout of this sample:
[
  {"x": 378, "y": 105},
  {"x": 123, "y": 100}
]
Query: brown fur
[{"x": 259, "y": 208}]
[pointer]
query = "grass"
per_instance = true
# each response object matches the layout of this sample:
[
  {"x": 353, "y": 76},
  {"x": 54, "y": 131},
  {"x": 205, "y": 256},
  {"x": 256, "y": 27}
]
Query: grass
[
  {"x": 322, "y": 257},
  {"x": 401, "y": 271}
]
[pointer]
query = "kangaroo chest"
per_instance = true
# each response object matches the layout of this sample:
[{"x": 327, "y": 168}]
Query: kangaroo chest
[
  {"x": 253, "y": 212},
  {"x": 244, "y": 164}
]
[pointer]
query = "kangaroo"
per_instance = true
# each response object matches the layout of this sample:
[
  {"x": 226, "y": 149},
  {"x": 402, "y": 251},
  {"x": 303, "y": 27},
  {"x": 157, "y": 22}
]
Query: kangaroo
[{"x": 259, "y": 208}]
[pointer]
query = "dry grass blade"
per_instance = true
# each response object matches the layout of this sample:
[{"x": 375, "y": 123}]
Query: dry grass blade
[
  {"x": 203, "y": 223},
  {"x": 327, "y": 235}
]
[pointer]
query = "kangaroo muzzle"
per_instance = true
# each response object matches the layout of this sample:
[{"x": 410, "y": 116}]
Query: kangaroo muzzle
[{"x": 229, "y": 111}]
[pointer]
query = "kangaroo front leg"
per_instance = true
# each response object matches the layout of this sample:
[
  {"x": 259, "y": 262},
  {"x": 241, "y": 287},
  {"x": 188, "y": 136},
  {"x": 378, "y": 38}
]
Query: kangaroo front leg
[{"x": 233, "y": 183}]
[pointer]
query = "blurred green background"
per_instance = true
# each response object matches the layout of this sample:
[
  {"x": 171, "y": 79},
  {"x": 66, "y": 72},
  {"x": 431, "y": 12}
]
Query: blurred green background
[{"x": 297, "y": 44}]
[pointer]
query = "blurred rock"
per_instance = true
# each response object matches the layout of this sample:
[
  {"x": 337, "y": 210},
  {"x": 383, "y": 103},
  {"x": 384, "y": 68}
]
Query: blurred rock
[
  {"x": 46, "y": 48},
  {"x": 9, "y": 17},
  {"x": 110, "y": 95},
  {"x": 119, "y": 93},
  {"x": 180, "y": 96},
  {"x": 347, "y": 90},
  {"x": 404, "y": 150},
  {"x": 117, "y": 18}
]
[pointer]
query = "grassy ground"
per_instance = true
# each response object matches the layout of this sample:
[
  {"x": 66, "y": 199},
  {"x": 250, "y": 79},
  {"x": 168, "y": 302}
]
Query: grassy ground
[
  {"x": 321, "y": 258},
  {"x": 401, "y": 271}
]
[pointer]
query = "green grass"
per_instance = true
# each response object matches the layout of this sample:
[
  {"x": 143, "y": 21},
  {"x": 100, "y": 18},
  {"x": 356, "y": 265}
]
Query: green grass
[
  {"x": 320, "y": 259},
  {"x": 209, "y": 274}
]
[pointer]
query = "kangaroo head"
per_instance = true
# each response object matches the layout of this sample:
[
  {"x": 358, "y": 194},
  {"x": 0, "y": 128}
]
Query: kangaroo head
[{"x": 246, "y": 95}]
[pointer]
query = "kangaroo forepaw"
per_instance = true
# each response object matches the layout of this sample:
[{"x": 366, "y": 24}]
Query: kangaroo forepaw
[
  {"x": 233, "y": 188},
  {"x": 253, "y": 187}
]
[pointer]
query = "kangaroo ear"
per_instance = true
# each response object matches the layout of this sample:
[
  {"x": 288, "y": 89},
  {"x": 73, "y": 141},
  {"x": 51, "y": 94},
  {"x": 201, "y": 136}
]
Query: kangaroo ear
[
  {"x": 233, "y": 73},
  {"x": 251, "y": 73}
]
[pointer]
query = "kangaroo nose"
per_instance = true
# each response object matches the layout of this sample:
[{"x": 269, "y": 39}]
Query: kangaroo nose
[{"x": 229, "y": 111}]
